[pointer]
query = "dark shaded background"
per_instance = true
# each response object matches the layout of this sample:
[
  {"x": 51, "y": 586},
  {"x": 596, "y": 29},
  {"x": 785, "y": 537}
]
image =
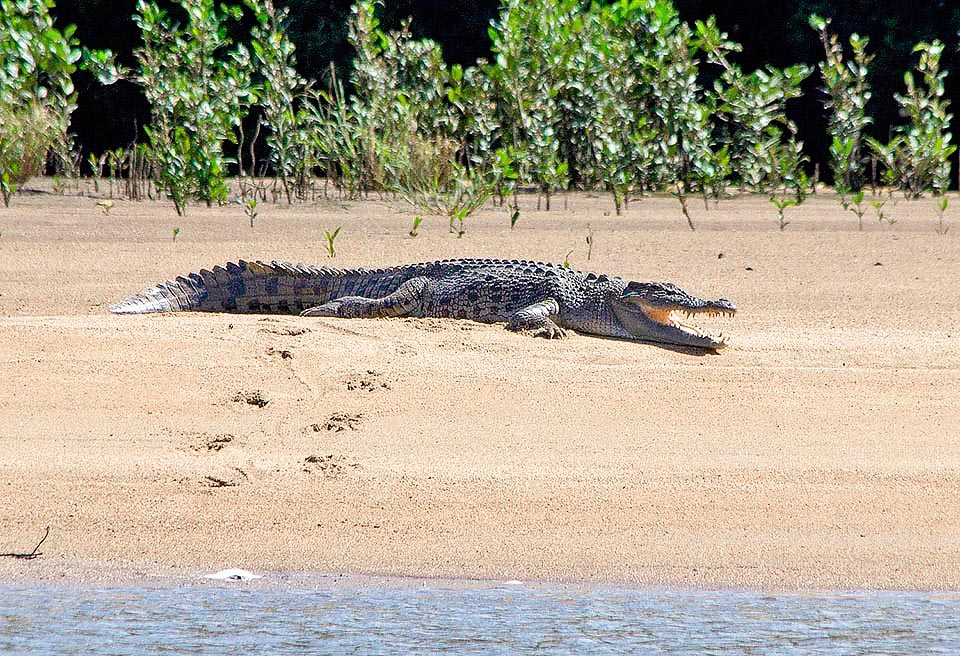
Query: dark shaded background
[{"x": 774, "y": 33}]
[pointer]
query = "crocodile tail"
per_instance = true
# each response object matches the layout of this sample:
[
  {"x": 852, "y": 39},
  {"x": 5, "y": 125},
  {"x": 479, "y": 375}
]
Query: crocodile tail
[{"x": 241, "y": 287}]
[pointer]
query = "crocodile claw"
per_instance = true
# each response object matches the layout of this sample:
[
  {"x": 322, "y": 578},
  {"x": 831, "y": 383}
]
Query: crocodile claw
[
  {"x": 552, "y": 331},
  {"x": 331, "y": 309}
]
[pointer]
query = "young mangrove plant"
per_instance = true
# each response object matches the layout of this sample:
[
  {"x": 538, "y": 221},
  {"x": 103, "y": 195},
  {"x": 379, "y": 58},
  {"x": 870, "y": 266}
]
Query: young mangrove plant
[
  {"x": 250, "y": 208},
  {"x": 941, "y": 207},
  {"x": 416, "y": 227},
  {"x": 331, "y": 238},
  {"x": 7, "y": 185},
  {"x": 880, "y": 214},
  {"x": 459, "y": 230},
  {"x": 856, "y": 206},
  {"x": 96, "y": 165},
  {"x": 514, "y": 216},
  {"x": 781, "y": 204},
  {"x": 679, "y": 193}
]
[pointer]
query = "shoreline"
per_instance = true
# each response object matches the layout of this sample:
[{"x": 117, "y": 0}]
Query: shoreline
[{"x": 105, "y": 577}]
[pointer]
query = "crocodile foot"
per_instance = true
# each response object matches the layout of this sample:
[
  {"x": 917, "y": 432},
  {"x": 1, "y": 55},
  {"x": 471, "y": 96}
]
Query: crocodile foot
[{"x": 331, "y": 309}]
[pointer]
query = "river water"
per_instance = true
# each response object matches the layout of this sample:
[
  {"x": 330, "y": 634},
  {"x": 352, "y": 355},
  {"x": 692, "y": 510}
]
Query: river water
[{"x": 487, "y": 618}]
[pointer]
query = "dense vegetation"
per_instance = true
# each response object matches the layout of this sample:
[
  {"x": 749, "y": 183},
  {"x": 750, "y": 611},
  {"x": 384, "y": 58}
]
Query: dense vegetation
[{"x": 627, "y": 97}]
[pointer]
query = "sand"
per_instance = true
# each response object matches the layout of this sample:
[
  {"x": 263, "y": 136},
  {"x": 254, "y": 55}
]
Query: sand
[{"x": 820, "y": 450}]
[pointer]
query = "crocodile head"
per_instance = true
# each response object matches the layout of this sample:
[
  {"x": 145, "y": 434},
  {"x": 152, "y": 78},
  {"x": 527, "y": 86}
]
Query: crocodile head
[{"x": 653, "y": 311}]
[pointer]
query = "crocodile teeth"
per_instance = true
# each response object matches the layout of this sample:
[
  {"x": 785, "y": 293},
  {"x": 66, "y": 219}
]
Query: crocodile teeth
[
  {"x": 710, "y": 313},
  {"x": 691, "y": 330},
  {"x": 685, "y": 328}
]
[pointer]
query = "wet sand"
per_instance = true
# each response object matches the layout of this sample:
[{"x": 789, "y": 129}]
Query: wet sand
[{"x": 820, "y": 450}]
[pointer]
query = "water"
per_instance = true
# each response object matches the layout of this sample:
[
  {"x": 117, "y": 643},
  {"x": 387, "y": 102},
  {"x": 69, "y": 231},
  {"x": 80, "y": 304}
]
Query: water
[{"x": 237, "y": 618}]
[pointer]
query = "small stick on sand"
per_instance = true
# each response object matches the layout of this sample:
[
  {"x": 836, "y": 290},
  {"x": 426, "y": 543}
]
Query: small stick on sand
[{"x": 33, "y": 554}]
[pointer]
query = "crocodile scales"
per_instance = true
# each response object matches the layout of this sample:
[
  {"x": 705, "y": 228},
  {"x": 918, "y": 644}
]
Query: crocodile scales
[{"x": 540, "y": 298}]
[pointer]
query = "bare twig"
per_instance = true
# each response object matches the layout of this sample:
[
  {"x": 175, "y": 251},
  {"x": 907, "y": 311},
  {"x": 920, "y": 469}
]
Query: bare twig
[{"x": 33, "y": 554}]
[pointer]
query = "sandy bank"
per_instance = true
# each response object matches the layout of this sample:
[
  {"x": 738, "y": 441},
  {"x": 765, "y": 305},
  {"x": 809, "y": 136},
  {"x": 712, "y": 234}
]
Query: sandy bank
[{"x": 822, "y": 449}]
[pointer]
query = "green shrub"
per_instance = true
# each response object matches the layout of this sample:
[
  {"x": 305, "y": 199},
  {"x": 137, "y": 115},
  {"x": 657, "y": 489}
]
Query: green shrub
[
  {"x": 198, "y": 86},
  {"x": 752, "y": 118},
  {"x": 26, "y": 135},
  {"x": 535, "y": 79},
  {"x": 917, "y": 158},
  {"x": 336, "y": 136},
  {"x": 845, "y": 84},
  {"x": 283, "y": 96},
  {"x": 36, "y": 91},
  {"x": 617, "y": 148},
  {"x": 399, "y": 103}
]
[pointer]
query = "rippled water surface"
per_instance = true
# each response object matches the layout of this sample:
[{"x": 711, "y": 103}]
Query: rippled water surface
[{"x": 236, "y": 618}]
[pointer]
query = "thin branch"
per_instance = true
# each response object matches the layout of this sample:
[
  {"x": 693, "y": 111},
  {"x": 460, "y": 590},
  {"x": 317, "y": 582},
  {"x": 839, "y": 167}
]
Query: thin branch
[{"x": 33, "y": 554}]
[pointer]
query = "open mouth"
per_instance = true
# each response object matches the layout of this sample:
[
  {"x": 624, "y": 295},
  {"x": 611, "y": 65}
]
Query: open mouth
[
  {"x": 677, "y": 318},
  {"x": 676, "y": 322}
]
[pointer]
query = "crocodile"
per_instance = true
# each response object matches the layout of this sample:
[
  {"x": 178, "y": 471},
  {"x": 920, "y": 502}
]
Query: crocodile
[{"x": 536, "y": 297}]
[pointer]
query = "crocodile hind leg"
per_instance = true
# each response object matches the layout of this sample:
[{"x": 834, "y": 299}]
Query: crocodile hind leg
[
  {"x": 536, "y": 320},
  {"x": 405, "y": 301}
]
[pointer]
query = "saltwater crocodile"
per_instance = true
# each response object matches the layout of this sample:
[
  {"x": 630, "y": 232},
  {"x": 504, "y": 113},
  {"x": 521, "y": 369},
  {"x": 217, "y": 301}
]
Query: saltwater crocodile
[{"x": 536, "y": 297}]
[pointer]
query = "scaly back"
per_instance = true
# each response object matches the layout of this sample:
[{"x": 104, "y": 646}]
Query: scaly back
[{"x": 286, "y": 288}]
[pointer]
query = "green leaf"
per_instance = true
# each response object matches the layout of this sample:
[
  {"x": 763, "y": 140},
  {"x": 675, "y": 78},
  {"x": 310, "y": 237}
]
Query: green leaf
[{"x": 818, "y": 23}]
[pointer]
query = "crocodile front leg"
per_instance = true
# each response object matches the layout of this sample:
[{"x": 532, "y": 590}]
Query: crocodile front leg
[
  {"x": 406, "y": 301},
  {"x": 536, "y": 320}
]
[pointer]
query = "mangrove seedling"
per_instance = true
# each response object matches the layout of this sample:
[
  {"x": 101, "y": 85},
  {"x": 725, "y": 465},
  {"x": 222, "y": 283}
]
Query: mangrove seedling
[
  {"x": 781, "y": 204},
  {"x": 515, "y": 216},
  {"x": 681, "y": 196},
  {"x": 878, "y": 210},
  {"x": 941, "y": 208},
  {"x": 96, "y": 165},
  {"x": 416, "y": 226},
  {"x": 566, "y": 259},
  {"x": 331, "y": 237},
  {"x": 458, "y": 216},
  {"x": 589, "y": 242},
  {"x": 7, "y": 186},
  {"x": 176, "y": 231},
  {"x": 856, "y": 206},
  {"x": 250, "y": 209}
]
